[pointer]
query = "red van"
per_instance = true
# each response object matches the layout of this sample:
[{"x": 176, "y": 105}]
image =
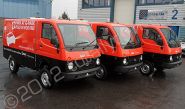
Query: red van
[
  {"x": 120, "y": 48},
  {"x": 161, "y": 48},
  {"x": 58, "y": 49}
]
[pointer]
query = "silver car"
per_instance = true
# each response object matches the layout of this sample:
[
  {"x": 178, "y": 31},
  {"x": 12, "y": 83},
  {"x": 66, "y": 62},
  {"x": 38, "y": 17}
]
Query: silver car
[{"x": 183, "y": 46}]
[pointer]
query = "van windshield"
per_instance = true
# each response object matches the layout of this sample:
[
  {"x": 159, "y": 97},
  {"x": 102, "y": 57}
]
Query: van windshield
[
  {"x": 76, "y": 36},
  {"x": 171, "y": 37},
  {"x": 128, "y": 38}
]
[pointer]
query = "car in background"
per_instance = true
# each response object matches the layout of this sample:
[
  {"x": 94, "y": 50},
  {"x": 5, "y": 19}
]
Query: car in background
[{"x": 183, "y": 46}]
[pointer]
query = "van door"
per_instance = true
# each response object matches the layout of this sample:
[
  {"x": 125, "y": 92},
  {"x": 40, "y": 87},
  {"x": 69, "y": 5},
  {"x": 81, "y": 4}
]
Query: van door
[
  {"x": 104, "y": 36},
  {"x": 150, "y": 37},
  {"x": 48, "y": 43}
]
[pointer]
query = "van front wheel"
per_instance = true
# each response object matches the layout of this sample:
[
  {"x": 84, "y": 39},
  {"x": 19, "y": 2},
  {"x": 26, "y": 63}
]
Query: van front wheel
[
  {"x": 102, "y": 73},
  {"x": 13, "y": 66},
  {"x": 46, "y": 79},
  {"x": 147, "y": 68}
]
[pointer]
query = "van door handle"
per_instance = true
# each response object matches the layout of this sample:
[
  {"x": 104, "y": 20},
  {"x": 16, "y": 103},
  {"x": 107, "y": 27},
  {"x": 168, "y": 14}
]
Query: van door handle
[{"x": 41, "y": 46}]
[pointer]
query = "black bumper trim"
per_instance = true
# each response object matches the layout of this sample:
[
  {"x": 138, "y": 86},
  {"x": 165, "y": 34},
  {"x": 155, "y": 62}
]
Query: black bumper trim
[
  {"x": 171, "y": 65},
  {"x": 81, "y": 74},
  {"x": 183, "y": 53},
  {"x": 128, "y": 68}
]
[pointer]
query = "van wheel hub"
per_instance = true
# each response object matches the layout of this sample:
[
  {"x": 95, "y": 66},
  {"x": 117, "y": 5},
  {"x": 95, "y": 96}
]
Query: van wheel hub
[
  {"x": 145, "y": 69},
  {"x": 100, "y": 73},
  {"x": 12, "y": 65},
  {"x": 45, "y": 79}
]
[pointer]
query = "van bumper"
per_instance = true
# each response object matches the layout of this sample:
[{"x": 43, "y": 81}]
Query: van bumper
[
  {"x": 171, "y": 65},
  {"x": 81, "y": 74},
  {"x": 183, "y": 52},
  {"x": 129, "y": 68}
]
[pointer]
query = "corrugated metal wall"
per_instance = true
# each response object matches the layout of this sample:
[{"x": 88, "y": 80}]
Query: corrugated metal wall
[
  {"x": 25, "y": 8},
  {"x": 93, "y": 14}
]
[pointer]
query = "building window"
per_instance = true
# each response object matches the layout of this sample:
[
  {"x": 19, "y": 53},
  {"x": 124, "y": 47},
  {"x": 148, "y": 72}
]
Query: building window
[
  {"x": 150, "y": 1},
  {"x": 33, "y": 2},
  {"x": 95, "y": 3},
  {"x": 159, "y": 2}
]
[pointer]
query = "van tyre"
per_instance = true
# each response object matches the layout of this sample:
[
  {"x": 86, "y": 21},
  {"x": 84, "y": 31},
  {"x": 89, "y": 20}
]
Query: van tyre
[
  {"x": 45, "y": 78},
  {"x": 13, "y": 66},
  {"x": 147, "y": 68},
  {"x": 102, "y": 73}
]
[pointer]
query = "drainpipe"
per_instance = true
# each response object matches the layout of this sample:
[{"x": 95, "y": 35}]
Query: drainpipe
[
  {"x": 136, "y": 2},
  {"x": 112, "y": 10}
]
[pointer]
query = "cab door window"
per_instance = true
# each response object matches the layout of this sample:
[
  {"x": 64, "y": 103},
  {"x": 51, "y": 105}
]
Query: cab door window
[
  {"x": 103, "y": 33},
  {"x": 151, "y": 34},
  {"x": 48, "y": 32}
]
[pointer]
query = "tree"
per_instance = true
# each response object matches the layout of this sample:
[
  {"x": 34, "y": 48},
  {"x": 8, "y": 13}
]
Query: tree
[
  {"x": 51, "y": 1},
  {"x": 64, "y": 16}
]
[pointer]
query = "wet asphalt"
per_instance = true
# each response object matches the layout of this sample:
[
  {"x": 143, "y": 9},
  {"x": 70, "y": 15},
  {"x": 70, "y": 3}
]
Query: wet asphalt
[{"x": 163, "y": 90}]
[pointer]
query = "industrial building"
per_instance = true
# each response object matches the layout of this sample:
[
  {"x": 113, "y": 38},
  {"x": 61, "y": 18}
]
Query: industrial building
[
  {"x": 164, "y": 12},
  {"x": 161, "y": 12},
  {"x": 24, "y": 9}
]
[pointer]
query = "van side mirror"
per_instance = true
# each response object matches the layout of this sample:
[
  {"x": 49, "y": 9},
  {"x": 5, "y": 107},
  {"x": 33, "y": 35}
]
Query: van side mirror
[
  {"x": 159, "y": 41},
  {"x": 112, "y": 41},
  {"x": 55, "y": 42}
]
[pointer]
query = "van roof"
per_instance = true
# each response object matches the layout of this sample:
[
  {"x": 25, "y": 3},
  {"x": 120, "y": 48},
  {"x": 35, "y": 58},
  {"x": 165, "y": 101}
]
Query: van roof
[
  {"x": 151, "y": 26},
  {"x": 55, "y": 21},
  {"x": 108, "y": 23}
]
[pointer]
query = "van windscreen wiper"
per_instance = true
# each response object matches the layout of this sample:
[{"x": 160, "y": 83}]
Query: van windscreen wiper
[
  {"x": 89, "y": 44},
  {"x": 79, "y": 43}
]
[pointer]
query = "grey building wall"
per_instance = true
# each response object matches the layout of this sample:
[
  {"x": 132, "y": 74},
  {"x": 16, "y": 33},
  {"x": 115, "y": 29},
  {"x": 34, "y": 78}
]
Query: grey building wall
[
  {"x": 172, "y": 10},
  {"x": 1, "y": 26},
  {"x": 180, "y": 21},
  {"x": 93, "y": 14},
  {"x": 25, "y": 8}
]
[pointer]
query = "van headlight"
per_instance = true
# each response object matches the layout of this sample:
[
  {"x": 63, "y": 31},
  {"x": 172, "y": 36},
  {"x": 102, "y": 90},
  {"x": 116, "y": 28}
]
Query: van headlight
[
  {"x": 97, "y": 61},
  {"x": 171, "y": 58},
  {"x": 70, "y": 65},
  {"x": 141, "y": 58},
  {"x": 125, "y": 62}
]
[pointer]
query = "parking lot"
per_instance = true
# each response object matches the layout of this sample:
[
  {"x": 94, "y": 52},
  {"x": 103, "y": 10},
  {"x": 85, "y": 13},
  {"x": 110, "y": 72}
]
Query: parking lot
[{"x": 163, "y": 90}]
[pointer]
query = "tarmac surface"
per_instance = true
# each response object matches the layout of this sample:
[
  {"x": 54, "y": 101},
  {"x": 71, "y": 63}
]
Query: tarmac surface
[{"x": 163, "y": 90}]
